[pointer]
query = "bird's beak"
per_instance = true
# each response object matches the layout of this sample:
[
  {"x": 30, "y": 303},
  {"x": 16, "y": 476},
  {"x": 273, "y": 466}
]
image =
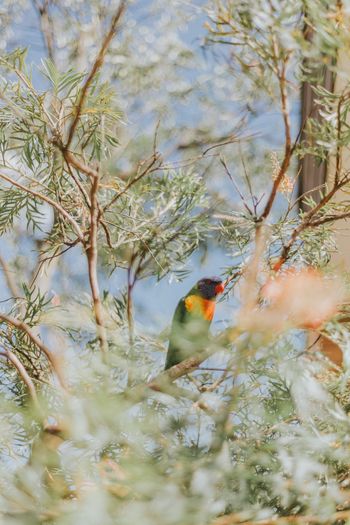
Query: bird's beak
[{"x": 219, "y": 288}]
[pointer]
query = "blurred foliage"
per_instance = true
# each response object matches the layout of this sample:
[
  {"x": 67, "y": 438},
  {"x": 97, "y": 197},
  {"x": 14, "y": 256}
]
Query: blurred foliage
[{"x": 168, "y": 160}]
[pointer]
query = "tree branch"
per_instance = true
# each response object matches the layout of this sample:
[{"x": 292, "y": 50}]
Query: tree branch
[
  {"x": 330, "y": 218},
  {"x": 10, "y": 281},
  {"x": 307, "y": 221},
  {"x": 70, "y": 158},
  {"x": 150, "y": 167},
  {"x": 77, "y": 182},
  {"x": 22, "y": 372},
  {"x": 288, "y": 150},
  {"x": 240, "y": 518},
  {"x": 50, "y": 201},
  {"x": 92, "y": 254},
  {"x": 46, "y": 26},
  {"x": 21, "y": 325},
  {"x": 96, "y": 66},
  {"x": 162, "y": 381},
  {"x": 131, "y": 280}
]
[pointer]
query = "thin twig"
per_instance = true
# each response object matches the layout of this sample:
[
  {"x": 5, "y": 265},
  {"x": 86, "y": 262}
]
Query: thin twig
[
  {"x": 230, "y": 140},
  {"x": 153, "y": 165},
  {"x": 92, "y": 254},
  {"x": 77, "y": 181},
  {"x": 80, "y": 166},
  {"x": 131, "y": 283},
  {"x": 21, "y": 325},
  {"x": 95, "y": 68},
  {"x": 50, "y": 258},
  {"x": 228, "y": 173},
  {"x": 308, "y": 222},
  {"x": 245, "y": 171},
  {"x": 46, "y": 26},
  {"x": 9, "y": 278},
  {"x": 331, "y": 218},
  {"x": 29, "y": 86},
  {"x": 22, "y": 372},
  {"x": 288, "y": 143},
  {"x": 72, "y": 159},
  {"x": 301, "y": 197},
  {"x": 217, "y": 383},
  {"x": 50, "y": 201}
]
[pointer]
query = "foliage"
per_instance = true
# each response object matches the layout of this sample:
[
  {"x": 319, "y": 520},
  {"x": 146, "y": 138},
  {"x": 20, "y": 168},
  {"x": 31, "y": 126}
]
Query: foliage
[{"x": 119, "y": 154}]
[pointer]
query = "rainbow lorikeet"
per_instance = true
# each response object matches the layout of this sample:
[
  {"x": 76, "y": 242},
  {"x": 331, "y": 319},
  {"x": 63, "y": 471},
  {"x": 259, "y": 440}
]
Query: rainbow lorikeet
[{"x": 192, "y": 319}]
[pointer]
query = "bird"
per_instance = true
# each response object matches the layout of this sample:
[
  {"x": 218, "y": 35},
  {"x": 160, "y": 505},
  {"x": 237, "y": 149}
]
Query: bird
[{"x": 192, "y": 319}]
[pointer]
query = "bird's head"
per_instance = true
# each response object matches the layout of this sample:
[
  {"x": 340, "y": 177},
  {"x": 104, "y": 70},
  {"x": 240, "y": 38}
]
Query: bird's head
[{"x": 210, "y": 287}]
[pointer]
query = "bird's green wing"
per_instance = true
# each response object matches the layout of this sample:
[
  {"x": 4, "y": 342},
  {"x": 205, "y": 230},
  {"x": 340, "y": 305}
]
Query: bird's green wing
[
  {"x": 188, "y": 334},
  {"x": 179, "y": 320}
]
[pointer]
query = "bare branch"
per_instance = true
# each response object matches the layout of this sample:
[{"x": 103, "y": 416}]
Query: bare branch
[
  {"x": 70, "y": 158},
  {"x": 230, "y": 140},
  {"x": 228, "y": 173}
]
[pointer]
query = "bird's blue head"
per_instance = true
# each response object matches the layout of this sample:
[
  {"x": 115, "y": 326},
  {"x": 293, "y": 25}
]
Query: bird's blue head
[{"x": 210, "y": 287}]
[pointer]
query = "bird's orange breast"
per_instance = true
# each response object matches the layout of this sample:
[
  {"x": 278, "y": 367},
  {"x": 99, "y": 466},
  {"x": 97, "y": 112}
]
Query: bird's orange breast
[{"x": 199, "y": 306}]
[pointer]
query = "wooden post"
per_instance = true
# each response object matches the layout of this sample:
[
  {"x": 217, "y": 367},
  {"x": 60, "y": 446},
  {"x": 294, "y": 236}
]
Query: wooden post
[{"x": 312, "y": 174}]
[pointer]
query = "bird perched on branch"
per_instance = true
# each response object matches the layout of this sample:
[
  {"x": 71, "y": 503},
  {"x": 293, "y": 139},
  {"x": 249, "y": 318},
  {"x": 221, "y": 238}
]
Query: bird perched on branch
[{"x": 192, "y": 319}]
